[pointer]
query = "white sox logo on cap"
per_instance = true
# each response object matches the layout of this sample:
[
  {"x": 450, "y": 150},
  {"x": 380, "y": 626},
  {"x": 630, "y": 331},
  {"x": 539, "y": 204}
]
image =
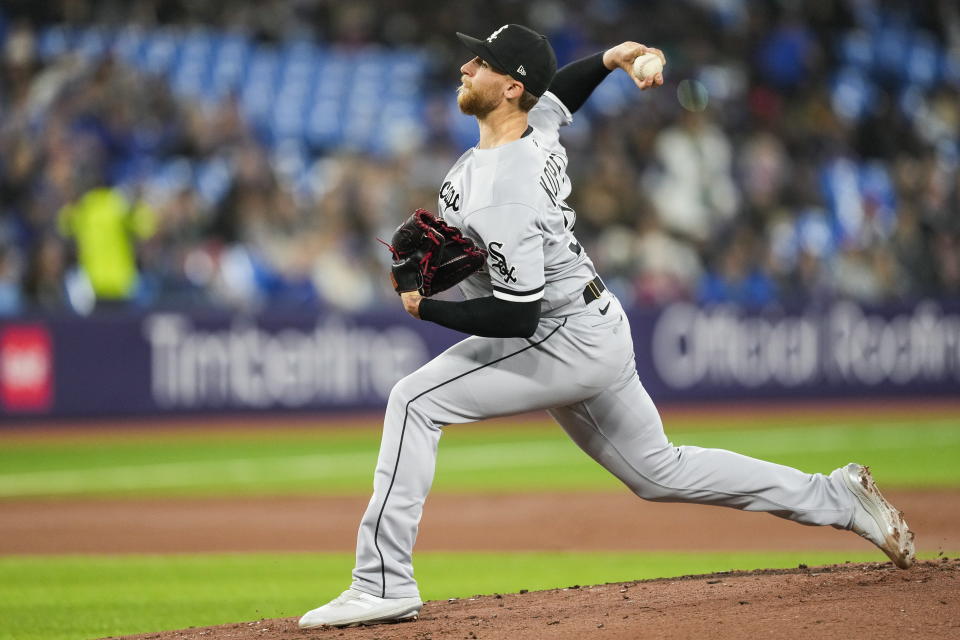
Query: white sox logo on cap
[
  {"x": 519, "y": 52},
  {"x": 493, "y": 36}
]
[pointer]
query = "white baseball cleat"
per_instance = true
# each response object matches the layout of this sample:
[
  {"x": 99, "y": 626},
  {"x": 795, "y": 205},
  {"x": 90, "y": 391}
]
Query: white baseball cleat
[
  {"x": 352, "y": 608},
  {"x": 876, "y": 519}
]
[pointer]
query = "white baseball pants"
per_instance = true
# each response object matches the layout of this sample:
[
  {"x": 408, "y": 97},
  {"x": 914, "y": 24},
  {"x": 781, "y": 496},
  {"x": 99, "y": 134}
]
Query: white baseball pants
[{"x": 581, "y": 369}]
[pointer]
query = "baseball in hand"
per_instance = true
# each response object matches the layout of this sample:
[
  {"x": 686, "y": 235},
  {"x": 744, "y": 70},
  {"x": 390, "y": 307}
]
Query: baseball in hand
[{"x": 647, "y": 66}]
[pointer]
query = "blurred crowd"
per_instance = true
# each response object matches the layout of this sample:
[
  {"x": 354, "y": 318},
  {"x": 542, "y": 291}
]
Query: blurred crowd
[{"x": 799, "y": 152}]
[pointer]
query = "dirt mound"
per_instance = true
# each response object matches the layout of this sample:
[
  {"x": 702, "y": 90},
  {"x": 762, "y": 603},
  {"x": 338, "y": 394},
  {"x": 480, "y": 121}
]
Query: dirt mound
[{"x": 873, "y": 601}]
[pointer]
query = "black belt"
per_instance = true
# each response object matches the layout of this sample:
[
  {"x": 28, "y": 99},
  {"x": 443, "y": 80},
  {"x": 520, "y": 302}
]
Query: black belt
[{"x": 593, "y": 290}]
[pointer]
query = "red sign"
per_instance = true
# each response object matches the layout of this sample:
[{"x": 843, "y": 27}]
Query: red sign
[{"x": 26, "y": 368}]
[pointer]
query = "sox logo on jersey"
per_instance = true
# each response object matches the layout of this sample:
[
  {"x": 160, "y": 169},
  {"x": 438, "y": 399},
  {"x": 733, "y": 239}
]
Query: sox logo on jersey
[
  {"x": 501, "y": 262},
  {"x": 449, "y": 196}
]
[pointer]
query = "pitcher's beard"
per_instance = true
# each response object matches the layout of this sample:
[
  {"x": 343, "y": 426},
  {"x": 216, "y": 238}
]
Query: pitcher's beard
[{"x": 474, "y": 103}]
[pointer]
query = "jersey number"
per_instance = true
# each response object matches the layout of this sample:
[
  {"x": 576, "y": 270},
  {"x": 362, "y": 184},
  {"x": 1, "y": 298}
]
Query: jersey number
[{"x": 570, "y": 224}]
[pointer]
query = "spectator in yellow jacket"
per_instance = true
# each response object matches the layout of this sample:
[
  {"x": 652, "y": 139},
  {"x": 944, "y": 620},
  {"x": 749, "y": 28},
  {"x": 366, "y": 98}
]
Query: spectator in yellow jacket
[{"x": 106, "y": 226}]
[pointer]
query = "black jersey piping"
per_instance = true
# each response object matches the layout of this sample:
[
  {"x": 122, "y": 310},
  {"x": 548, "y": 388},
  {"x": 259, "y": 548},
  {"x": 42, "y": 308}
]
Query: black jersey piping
[
  {"x": 406, "y": 413},
  {"x": 518, "y": 293}
]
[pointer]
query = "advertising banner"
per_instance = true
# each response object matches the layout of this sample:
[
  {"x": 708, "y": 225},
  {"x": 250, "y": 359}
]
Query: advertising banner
[
  {"x": 688, "y": 352},
  {"x": 175, "y": 363}
]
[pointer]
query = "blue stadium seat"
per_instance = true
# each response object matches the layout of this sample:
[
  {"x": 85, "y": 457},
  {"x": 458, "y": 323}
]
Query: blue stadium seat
[
  {"x": 160, "y": 49},
  {"x": 286, "y": 119},
  {"x": 923, "y": 59},
  {"x": 813, "y": 233},
  {"x": 93, "y": 42},
  {"x": 950, "y": 67},
  {"x": 212, "y": 179},
  {"x": 611, "y": 96},
  {"x": 172, "y": 175},
  {"x": 189, "y": 68},
  {"x": 299, "y": 89},
  {"x": 851, "y": 94},
  {"x": 856, "y": 49},
  {"x": 858, "y": 195},
  {"x": 889, "y": 44},
  {"x": 324, "y": 123},
  {"x": 259, "y": 84},
  {"x": 230, "y": 58},
  {"x": 128, "y": 45},
  {"x": 877, "y": 190},
  {"x": 463, "y": 129},
  {"x": 54, "y": 41}
]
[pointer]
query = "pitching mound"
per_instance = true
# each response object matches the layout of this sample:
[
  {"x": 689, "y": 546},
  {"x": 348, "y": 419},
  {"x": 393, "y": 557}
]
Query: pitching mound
[{"x": 873, "y": 601}]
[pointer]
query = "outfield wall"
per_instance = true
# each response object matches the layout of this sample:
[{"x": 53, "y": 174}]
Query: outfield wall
[{"x": 172, "y": 363}]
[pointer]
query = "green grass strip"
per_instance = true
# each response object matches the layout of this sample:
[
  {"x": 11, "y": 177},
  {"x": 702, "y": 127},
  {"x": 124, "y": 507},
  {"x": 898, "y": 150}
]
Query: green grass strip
[
  {"x": 52, "y": 597},
  {"x": 919, "y": 453}
]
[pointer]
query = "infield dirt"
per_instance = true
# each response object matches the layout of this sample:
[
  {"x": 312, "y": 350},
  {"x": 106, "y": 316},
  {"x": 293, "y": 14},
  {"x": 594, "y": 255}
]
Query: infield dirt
[
  {"x": 577, "y": 522},
  {"x": 873, "y": 601}
]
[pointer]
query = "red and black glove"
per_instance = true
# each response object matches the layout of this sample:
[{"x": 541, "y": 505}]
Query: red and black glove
[{"x": 430, "y": 256}]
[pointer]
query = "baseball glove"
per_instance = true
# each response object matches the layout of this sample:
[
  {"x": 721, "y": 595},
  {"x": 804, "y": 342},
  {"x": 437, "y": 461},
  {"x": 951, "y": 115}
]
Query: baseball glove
[{"x": 430, "y": 256}]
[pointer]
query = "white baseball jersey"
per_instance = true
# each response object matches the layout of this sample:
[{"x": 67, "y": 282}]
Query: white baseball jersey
[{"x": 512, "y": 201}]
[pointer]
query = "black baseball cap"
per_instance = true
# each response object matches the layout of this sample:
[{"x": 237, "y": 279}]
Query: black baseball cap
[{"x": 520, "y": 52}]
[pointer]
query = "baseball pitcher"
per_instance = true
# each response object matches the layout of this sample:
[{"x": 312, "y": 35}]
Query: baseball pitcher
[{"x": 545, "y": 334}]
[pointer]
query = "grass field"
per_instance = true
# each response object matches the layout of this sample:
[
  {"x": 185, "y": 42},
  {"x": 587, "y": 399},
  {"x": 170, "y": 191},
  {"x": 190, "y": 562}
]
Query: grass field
[
  {"x": 95, "y": 596},
  {"x": 98, "y": 596},
  {"x": 920, "y": 452}
]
